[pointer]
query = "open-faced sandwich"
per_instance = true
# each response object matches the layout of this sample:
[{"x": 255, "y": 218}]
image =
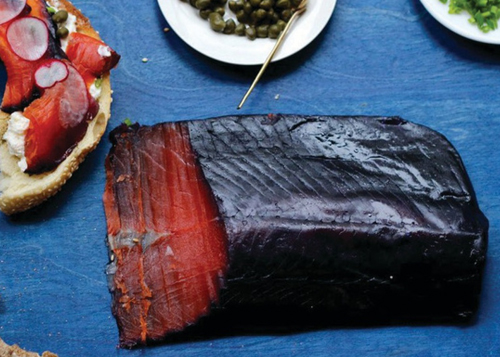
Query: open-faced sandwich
[
  {"x": 57, "y": 99},
  {"x": 16, "y": 351}
]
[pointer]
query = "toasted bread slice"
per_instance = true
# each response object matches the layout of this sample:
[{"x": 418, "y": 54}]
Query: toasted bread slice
[
  {"x": 20, "y": 191},
  {"x": 16, "y": 351}
]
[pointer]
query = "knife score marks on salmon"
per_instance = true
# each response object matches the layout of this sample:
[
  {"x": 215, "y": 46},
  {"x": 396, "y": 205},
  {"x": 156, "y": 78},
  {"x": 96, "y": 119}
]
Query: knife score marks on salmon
[{"x": 361, "y": 218}]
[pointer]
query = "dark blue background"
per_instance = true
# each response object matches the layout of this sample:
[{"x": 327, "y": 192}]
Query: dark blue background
[{"x": 380, "y": 57}]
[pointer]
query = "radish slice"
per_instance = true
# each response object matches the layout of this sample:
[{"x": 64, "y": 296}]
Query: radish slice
[
  {"x": 74, "y": 102},
  {"x": 9, "y": 9},
  {"x": 28, "y": 37},
  {"x": 51, "y": 72}
]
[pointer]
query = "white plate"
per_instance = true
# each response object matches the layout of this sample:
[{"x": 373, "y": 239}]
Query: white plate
[
  {"x": 459, "y": 23},
  {"x": 192, "y": 29}
]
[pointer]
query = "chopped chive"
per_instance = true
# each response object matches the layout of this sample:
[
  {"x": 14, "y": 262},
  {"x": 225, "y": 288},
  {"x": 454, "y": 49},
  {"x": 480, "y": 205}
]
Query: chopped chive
[
  {"x": 51, "y": 10},
  {"x": 491, "y": 24},
  {"x": 127, "y": 122},
  {"x": 485, "y": 14},
  {"x": 98, "y": 82}
]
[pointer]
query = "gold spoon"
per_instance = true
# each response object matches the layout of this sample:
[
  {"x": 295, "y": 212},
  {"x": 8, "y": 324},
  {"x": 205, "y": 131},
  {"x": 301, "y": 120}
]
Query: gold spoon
[{"x": 298, "y": 11}]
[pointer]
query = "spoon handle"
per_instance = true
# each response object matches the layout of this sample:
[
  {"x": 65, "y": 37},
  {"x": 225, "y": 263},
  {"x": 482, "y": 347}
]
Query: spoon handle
[{"x": 300, "y": 9}]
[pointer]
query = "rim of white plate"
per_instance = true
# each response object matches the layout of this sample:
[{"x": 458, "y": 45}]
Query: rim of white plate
[
  {"x": 240, "y": 50},
  {"x": 459, "y": 23}
]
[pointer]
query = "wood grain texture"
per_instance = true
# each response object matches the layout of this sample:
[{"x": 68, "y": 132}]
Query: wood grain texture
[{"x": 375, "y": 57}]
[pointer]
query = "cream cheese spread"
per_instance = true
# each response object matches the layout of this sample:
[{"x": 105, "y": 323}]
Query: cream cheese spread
[
  {"x": 14, "y": 136},
  {"x": 95, "y": 91},
  {"x": 104, "y": 51}
]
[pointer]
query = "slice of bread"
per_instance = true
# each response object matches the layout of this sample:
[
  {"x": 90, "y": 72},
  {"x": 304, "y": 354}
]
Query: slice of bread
[
  {"x": 20, "y": 191},
  {"x": 16, "y": 351}
]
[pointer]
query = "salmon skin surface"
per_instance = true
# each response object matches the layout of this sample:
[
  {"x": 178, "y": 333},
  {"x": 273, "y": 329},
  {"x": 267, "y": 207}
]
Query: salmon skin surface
[{"x": 343, "y": 218}]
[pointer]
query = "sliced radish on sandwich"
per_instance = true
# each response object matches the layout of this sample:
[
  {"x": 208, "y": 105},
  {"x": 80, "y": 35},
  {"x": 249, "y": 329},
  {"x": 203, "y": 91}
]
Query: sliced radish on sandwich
[
  {"x": 9, "y": 9},
  {"x": 28, "y": 37},
  {"x": 58, "y": 121},
  {"x": 51, "y": 72},
  {"x": 76, "y": 103},
  {"x": 21, "y": 89}
]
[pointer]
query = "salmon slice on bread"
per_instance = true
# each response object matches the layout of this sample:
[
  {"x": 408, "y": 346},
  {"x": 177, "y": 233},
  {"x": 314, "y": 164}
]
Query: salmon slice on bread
[{"x": 57, "y": 99}]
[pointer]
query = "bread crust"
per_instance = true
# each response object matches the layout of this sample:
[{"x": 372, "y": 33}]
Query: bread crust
[
  {"x": 16, "y": 351},
  {"x": 20, "y": 191}
]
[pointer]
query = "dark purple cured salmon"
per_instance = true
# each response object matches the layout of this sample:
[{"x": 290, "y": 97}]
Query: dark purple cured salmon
[{"x": 366, "y": 218}]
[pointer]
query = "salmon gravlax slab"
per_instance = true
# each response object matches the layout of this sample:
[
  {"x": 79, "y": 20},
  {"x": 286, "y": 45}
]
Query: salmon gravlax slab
[{"x": 358, "y": 218}]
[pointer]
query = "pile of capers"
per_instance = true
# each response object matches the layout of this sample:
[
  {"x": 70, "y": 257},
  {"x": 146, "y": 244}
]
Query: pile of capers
[{"x": 254, "y": 18}]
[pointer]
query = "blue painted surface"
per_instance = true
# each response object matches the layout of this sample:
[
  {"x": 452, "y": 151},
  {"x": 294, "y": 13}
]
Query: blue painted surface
[{"x": 380, "y": 57}]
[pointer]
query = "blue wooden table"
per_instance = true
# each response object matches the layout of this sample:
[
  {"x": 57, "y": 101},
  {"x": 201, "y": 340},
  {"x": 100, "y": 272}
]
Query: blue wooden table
[{"x": 380, "y": 57}]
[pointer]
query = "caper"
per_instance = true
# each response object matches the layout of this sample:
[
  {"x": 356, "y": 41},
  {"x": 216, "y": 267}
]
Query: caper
[
  {"x": 62, "y": 32},
  {"x": 251, "y": 33},
  {"x": 283, "y": 4},
  {"x": 286, "y": 14},
  {"x": 281, "y": 24},
  {"x": 253, "y": 18},
  {"x": 295, "y": 3},
  {"x": 262, "y": 31},
  {"x": 274, "y": 31},
  {"x": 266, "y": 4},
  {"x": 234, "y": 6},
  {"x": 274, "y": 17},
  {"x": 205, "y": 13},
  {"x": 216, "y": 22},
  {"x": 240, "y": 29},
  {"x": 230, "y": 26},
  {"x": 60, "y": 16},
  {"x": 260, "y": 14},
  {"x": 202, "y": 4},
  {"x": 255, "y": 3},
  {"x": 248, "y": 8},
  {"x": 220, "y": 2},
  {"x": 242, "y": 16},
  {"x": 220, "y": 10}
]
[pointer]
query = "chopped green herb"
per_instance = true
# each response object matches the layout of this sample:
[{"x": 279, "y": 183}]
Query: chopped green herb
[
  {"x": 484, "y": 13},
  {"x": 127, "y": 122},
  {"x": 51, "y": 10},
  {"x": 98, "y": 82}
]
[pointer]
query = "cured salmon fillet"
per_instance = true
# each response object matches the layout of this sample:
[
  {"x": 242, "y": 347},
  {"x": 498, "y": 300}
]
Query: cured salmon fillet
[
  {"x": 358, "y": 218},
  {"x": 165, "y": 234},
  {"x": 85, "y": 53},
  {"x": 50, "y": 139}
]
